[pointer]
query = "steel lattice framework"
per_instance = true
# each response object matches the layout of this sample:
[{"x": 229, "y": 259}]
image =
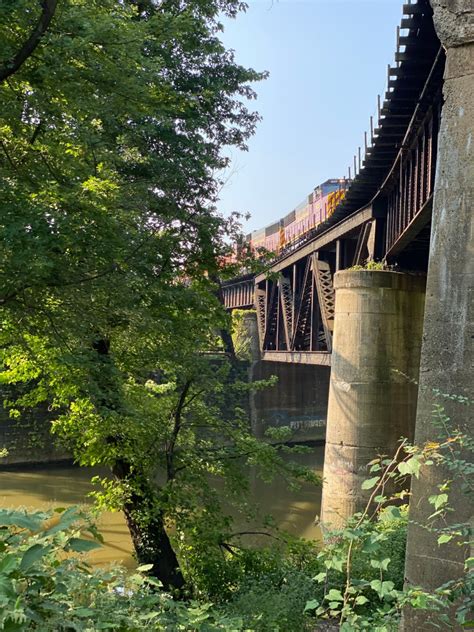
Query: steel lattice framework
[{"x": 385, "y": 215}]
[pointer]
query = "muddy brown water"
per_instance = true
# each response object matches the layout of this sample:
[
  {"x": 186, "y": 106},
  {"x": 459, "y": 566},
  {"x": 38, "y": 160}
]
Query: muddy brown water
[{"x": 51, "y": 486}]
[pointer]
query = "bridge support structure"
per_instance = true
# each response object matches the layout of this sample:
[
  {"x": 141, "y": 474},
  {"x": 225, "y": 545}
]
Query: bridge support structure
[
  {"x": 298, "y": 400},
  {"x": 447, "y": 358},
  {"x": 372, "y": 395}
]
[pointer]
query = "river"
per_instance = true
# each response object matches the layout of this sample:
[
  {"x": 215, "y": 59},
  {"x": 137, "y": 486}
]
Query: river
[{"x": 50, "y": 486}]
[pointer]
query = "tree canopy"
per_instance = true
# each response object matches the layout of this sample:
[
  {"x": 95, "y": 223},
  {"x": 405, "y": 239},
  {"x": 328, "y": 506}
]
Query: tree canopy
[{"x": 114, "y": 119}]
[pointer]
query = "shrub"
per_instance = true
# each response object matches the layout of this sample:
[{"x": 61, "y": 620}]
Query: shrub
[
  {"x": 44, "y": 586},
  {"x": 362, "y": 584},
  {"x": 273, "y": 603}
]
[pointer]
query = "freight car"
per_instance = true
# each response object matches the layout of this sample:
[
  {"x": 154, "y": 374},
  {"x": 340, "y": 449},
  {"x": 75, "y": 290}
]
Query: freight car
[{"x": 314, "y": 210}]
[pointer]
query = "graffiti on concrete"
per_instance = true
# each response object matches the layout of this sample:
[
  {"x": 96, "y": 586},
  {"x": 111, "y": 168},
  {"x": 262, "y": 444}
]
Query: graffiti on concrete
[{"x": 311, "y": 425}]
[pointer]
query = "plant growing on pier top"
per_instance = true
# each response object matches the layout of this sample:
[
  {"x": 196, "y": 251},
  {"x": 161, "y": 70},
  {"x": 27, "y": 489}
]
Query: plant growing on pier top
[{"x": 113, "y": 122}]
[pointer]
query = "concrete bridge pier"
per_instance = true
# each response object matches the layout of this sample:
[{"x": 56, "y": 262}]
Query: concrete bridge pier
[
  {"x": 247, "y": 347},
  {"x": 447, "y": 360},
  {"x": 372, "y": 404}
]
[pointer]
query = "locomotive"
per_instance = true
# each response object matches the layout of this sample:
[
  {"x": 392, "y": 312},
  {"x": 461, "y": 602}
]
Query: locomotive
[{"x": 300, "y": 222}]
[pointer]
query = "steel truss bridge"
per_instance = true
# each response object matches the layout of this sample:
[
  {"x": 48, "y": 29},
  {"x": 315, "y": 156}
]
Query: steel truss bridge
[{"x": 386, "y": 214}]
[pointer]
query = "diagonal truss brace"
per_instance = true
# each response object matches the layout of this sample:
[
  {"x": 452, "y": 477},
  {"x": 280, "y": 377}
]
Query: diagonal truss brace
[
  {"x": 326, "y": 296},
  {"x": 301, "y": 316},
  {"x": 261, "y": 305},
  {"x": 286, "y": 299}
]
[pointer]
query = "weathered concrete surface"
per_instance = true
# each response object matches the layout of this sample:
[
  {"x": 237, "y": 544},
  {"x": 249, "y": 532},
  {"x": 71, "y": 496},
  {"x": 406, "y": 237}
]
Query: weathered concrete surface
[
  {"x": 245, "y": 335},
  {"x": 299, "y": 399},
  {"x": 372, "y": 404},
  {"x": 447, "y": 353},
  {"x": 28, "y": 440}
]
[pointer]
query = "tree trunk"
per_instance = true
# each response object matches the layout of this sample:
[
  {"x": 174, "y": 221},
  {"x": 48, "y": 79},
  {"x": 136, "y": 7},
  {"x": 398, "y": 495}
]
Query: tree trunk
[
  {"x": 147, "y": 530},
  {"x": 144, "y": 518}
]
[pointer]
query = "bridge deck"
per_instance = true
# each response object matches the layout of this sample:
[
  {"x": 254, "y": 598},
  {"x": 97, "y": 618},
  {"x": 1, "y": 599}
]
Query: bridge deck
[{"x": 385, "y": 215}]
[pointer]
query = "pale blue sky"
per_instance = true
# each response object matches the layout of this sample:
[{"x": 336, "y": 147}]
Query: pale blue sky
[{"x": 327, "y": 61}]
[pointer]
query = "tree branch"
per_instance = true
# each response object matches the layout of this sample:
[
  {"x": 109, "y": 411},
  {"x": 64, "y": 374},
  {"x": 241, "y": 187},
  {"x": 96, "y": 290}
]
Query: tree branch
[
  {"x": 12, "y": 66},
  {"x": 9, "y": 158},
  {"x": 170, "y": 469}
]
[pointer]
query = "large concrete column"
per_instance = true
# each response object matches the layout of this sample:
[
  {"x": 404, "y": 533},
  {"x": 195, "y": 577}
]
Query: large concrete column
[
  {"x": 245, "y": 335},
  {"x": 447, "y": 353},
  {"x": 377, "y": 340},
  {"x": 247, "y": 348}
]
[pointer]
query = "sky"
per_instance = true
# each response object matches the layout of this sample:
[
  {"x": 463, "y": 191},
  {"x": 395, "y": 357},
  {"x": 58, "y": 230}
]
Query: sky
[{"x": 327, "y": 61}]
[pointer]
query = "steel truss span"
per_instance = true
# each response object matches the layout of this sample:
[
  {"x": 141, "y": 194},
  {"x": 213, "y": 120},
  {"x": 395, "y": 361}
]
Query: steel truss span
[{"x": 385, "y": 214}]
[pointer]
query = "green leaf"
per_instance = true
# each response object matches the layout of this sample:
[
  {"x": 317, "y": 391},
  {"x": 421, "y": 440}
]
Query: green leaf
[
  {"x": 438, "y": 500},
  {"x": 82, "y": 546},
  {"x": 382, "y": 564},
  {"x": 312, "y": 604},
  {"x": 32, "y": 555},
  {"x": 410, "y": 467},
  {"x": 144, "y": 568},
  {"x": 32, "y": 522},
  {"x": 445, "y": 537},
  {"x": 370, "y": 482},
  {"x": 382, "y": 588},
  {"x": 334, "y": 595},
  {"x": 334, "y": 563},
  {"x": 8, "y": 563},
  {"x": 320, "y": 577},
  {"x": 6, "y": 587},
  {"x": 361, "y": 600},
  {"x": 67, "y": 519},
  {"x": 391, "y": 513}
]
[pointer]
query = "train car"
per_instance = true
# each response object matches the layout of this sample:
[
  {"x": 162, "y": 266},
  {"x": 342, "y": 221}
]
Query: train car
[
  {"x": 313, "y": 211},
  {"x": 289, "y": 231},
  {"x": 257, "y": 239},
  {"x": 325, "y": 199},
  {"x": 272, "y": 237}
]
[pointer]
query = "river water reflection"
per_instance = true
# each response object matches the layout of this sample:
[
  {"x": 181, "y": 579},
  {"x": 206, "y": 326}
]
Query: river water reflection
[{"x": 58, "y": 486}]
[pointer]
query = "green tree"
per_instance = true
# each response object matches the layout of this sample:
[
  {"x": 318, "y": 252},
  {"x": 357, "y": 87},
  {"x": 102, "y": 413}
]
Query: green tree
[{"x": 114, "y": 115}]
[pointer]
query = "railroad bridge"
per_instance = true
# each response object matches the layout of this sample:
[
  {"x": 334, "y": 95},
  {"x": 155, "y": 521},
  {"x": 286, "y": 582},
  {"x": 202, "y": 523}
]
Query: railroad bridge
[
  {"x": 384, "y": 216},
  {"x": 351, "y": 343}
]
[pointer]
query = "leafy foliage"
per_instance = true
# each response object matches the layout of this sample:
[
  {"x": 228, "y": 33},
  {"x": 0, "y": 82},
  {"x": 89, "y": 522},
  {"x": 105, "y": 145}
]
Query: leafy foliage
[
  {"x": 273, "y": 586},
  {"x": 362, "y": 584},
  {"x": 112, "y": 131},
  {"x": 240, "y": 334},
  {"x": 44, "y": 587}
]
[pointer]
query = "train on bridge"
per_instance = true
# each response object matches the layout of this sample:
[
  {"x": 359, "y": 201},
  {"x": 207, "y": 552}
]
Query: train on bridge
[{"x": 319, "y": 206}]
